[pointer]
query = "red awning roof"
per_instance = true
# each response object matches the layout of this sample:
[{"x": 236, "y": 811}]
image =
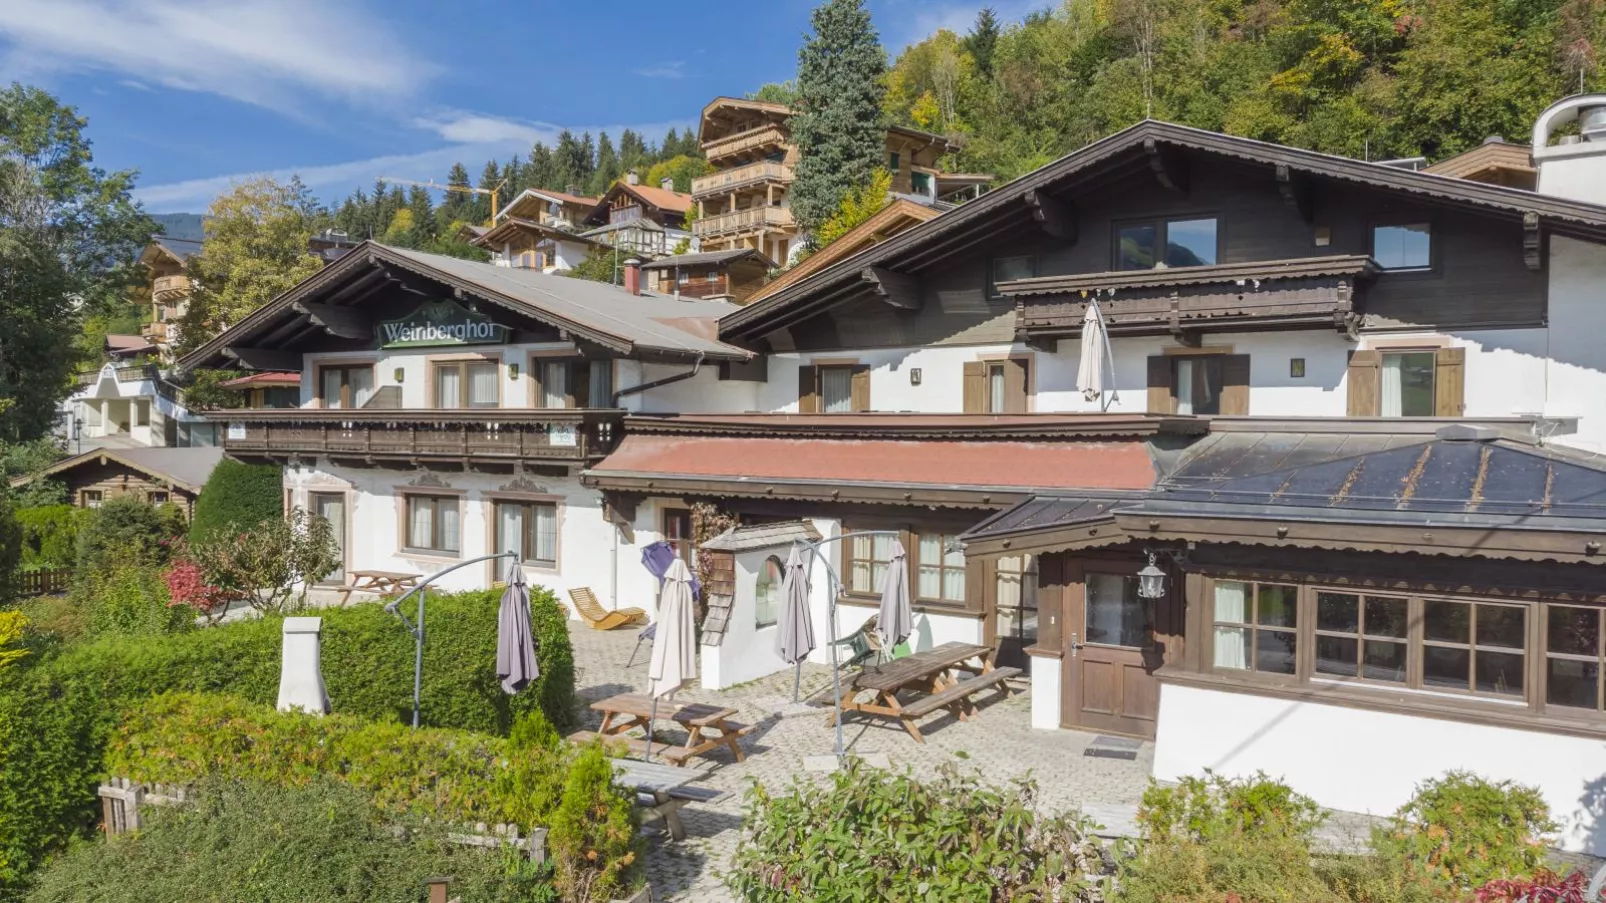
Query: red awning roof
[
  {"x": 1017, "y": 466},
  {"x": 266, "y": 380}
]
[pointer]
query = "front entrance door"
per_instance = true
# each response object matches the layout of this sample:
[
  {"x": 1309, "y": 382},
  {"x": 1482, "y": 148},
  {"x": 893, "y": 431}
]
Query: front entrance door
[
  {"x": 331, "y": 506},
  {"x": 1111, "y": 654}
]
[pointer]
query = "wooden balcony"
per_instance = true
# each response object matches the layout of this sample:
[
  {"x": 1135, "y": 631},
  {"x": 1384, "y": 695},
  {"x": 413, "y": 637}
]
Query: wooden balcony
[
  {"x": 744, "y": 142},
  {"x": 697, "y": 288},
  {"x": 570, "y": 436},
  {"x": 170, "y": 288},
  {"x": 760, "y": 173},
  {"x": 751, "y": 220}
]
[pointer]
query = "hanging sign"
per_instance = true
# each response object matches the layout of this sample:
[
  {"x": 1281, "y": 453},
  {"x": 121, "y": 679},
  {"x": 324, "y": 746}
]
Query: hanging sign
[{"x": 440, "y": 323}]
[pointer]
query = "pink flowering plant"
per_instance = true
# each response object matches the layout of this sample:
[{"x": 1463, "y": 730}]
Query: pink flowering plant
[{"x": 187, "y": 585}]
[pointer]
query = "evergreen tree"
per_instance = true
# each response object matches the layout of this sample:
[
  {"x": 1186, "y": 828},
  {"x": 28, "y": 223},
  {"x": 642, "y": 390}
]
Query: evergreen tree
[
  {"x": 423, "y": 218},
  {"x": 607, "y": 165},
  {"x": 838, "y": 127},
  {"x": 587, "y": 162},
  {"x": 489, "y": 177},
  {"x": 633, "y": 152},
  {"x": 982, "y": 39},
  {"x": 670, "y": 147},
  {"x": 543, "y": 171},
  {"x": 569, "y": 166},
  {"x": 455, "y": 204}
]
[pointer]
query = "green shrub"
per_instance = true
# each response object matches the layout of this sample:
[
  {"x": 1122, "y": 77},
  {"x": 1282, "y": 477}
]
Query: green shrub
[
  {"x": 64, "y": 708},
  {"x": 50, "y": 535},
  {"x": 1461, "y": 831},
  {"x": 126, "y": 530},
  {"x": 236, "y": 496},
  {"x": 878, "y": 835},
  {"x": 322, "y": 841},
  {"x": 130, "y": 600},
  {"x": 1261, "y": 868},
  {"x": 1204, "y": 808},
  {"x": 458, "y": 776},
  {"x": 271, "y": 564}
]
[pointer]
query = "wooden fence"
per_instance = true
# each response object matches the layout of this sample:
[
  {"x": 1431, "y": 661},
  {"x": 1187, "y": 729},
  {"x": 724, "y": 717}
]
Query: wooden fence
[
  {"x": 121, "y": 800},
  {"x": 43, "y": 583}
]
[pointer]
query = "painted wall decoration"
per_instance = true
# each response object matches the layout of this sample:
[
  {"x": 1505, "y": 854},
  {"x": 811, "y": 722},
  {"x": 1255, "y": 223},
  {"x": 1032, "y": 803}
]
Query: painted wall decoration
[{"x": 436, "y": 323}]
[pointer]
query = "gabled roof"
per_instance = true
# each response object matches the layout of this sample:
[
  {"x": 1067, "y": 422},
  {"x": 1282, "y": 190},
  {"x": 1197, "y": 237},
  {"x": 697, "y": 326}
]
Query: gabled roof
[
  {"x": 593, "y": 311},
  {"x": 719, "y": 258},
  {"x": 181, "y": 468},
  {"x": 561, "y": 197},
  {"x": 179, "y": 250},
  {"x": 658, "y": 198},
  {"x": 890, "y": 220},
  {"x": 512, "y": 225},
  {"x": 1495, "y": 160},
  {"x": 763, "y": 536},
  {"x": 1005, "y": 207},
  {"x": 267, "y": 379}
]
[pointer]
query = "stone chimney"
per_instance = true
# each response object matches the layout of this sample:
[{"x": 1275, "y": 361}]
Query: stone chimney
[
  {"x": 668, "y": 184},
  {"x": 1575, "y": 166},
  {"x": 301, "y": 674},
  {"x": 633, "y": 276},
  {"x": 632, "y": 178}
]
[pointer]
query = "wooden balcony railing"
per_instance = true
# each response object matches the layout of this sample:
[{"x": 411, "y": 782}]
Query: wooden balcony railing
[
  {"x": 510, "y": 434},
  {"x": 169, "y": 288},
  {"x": 752, "y": 139},
  {"x": 744, "y": 221},
  {"x": 699, "y": 288},
  {"x": 741, "y": 177}
]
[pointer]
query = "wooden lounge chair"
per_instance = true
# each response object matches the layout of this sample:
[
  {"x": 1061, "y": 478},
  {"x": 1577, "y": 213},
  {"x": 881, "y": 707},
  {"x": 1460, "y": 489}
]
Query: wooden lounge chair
[{"x": 599, "y": 618}]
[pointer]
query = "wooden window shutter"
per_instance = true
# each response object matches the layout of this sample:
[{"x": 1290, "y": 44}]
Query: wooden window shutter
[
  {"x": 1449, "y": 382},
  {"x": 808, "y": 390},
  {"x": 1160, "y": 400},
  {"x": 1235, "y": 385},
  {"x": 535, "y": 370},
  {"x": 975, "y": 387},
  {"x": 981, "y": 581},
  {"x": 1016, "y": 380},
  {"x": 1365, "y": 383},
  {"x": 859, "y": 389}
]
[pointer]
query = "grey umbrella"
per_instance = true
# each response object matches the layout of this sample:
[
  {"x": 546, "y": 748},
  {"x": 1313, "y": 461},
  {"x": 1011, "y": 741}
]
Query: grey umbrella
[
  {"x": 515, "y": 642},
  {"x": 895, "y": 620},
  {"x": 674, "y": 649},
  {"x": 795, "y": 639}
]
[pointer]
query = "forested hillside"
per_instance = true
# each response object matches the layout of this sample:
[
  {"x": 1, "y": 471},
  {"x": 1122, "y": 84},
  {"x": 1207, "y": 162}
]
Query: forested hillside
[{"x": 1363, "y": 78}]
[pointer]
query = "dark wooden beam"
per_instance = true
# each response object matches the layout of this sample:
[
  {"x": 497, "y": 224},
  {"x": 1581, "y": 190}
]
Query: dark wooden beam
[
  {"x": 1531, "y": 241},
  {"x": 1295, "y": 190},
  {"x": 1167, "y": 166},
  {"x": 345, "y": 322},
  {"x": 296, "y": 324},
  {"x": 1045, "y": 344},
  {"x": 1054, "y": 215},
  {"x": 264, "y": 358},
  {"x": 897, "y": 289}
]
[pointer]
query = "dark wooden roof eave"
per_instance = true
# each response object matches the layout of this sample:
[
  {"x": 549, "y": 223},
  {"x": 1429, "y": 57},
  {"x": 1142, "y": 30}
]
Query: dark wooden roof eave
[
  {"x": 1574, "y": 218},
  {"x": 954, "y": 427}
]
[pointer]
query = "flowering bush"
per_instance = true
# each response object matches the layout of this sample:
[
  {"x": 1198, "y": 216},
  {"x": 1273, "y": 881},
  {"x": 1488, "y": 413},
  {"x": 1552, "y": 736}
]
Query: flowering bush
[
  {"x": 1544, "y": 887},
  {"x": 186, "y": 585}
]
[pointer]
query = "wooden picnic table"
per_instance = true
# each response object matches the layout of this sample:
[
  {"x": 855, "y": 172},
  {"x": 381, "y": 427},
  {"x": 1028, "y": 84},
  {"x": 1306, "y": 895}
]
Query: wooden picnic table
[
  {"x": 707, "y": 726},
  {"x": 662, "y": 790},
  {"x": 934, "y": 674},
  {"x": 381, "y": 583}
]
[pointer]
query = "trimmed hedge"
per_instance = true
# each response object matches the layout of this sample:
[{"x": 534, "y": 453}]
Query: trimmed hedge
[
  {"x": 50, "y": 535},
  {"x": 238, "y": 495},
  {"x": 57, "y": 716}
]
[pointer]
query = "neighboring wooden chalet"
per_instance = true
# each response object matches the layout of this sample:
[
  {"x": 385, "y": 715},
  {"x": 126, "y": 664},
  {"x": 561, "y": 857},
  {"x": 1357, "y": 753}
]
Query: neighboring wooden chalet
[
  {"x": 898, "y": 215},
  {"x": 561, "y": 209},
  {"x": 732, "y": 275},
  {"x": 155, "y": 475},
  {"x": 1494, "y": 162},
  {"x": 526, "y": 244},
  {"x": 640, "y": 218},
  {"x": 167, "y": 259}
]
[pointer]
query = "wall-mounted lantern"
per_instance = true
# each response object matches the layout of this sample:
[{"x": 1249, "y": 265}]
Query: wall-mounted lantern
[
  {"x": 398, "y": 373},
  {"x": 1151, "y": 580},
  {"x": 512, "y": 371}
]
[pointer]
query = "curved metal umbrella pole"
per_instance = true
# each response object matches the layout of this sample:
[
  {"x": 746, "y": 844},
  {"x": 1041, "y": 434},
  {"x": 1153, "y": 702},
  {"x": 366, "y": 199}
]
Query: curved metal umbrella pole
[{"x": 417, "y": 629}]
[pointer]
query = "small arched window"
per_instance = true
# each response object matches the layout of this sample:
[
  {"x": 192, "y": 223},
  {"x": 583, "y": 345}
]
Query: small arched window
[{"x": 767, "y": 593}]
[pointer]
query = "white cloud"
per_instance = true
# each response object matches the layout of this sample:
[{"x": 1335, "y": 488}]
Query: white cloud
[
  {"x": 287, "y": 55},
  {"x": 132, "y": 83},
  {"x": 477, "y": 128},
  {"x": 668, "y": 69}
]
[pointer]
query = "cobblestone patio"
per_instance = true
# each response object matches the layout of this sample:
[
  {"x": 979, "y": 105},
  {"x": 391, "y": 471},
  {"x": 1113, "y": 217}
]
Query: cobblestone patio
[{"x": 1000, "y": 743}]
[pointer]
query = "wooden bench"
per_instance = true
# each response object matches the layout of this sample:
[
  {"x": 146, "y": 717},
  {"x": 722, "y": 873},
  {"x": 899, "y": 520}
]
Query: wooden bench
[
  {"x": 958, "y": 694},
  {"x": 673, "y": 754},
  {"x": 677, "y": 798}
]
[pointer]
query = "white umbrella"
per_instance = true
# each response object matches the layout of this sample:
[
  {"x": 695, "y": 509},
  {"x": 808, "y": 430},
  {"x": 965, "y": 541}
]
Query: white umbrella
[
  {"x": 895, "y": 620},
  {"x": 1090, "y": 372},
  {"x": 674, "y": 648}
]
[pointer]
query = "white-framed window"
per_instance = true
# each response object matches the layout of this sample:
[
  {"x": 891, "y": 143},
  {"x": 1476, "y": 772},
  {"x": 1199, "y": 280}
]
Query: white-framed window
[
  {"x": 529, "y": 528},
  {"x": 434, "y": 523}
]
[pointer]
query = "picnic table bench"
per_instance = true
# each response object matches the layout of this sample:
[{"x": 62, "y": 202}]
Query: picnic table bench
[
  {"x": 382, "y": 583},
  {"x": 935, "y": 675},
  {"x": 707, "y": 727},
  {"x": 662, "y": 790}
]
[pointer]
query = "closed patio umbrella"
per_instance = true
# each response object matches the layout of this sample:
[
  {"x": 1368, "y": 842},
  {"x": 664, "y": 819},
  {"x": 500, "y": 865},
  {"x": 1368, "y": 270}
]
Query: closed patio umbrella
[
  {"x": 795, "y": 640},
  {"x": 895, "y": 620},
  {"x": 515, "y": 641},
  {"x": 1090, "y": 372},
  {"x": 674, "y": 649}
]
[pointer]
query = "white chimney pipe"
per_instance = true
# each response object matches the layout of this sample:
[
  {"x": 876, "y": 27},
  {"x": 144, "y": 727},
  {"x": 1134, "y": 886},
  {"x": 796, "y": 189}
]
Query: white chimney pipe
[
  {"x": 301, "y": 673},
  {"x": 1575, "y": 167}
]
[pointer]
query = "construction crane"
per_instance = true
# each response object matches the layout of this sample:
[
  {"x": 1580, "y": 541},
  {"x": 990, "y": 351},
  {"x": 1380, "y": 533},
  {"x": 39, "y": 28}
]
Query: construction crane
[{"x": 494, "y": 191}]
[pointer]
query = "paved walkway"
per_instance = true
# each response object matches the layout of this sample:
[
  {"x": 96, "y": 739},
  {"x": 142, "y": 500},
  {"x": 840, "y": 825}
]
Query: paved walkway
[{"x": 1000, "y": 743}]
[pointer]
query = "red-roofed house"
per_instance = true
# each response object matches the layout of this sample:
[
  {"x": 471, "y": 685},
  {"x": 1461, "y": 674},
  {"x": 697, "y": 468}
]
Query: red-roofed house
[{"x": 641, "y": 218}]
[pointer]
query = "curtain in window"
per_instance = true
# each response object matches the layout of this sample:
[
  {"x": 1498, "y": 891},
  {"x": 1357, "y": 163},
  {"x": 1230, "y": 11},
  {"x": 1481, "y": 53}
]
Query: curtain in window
[
  {"x": 995, "y": 389},
  {"x": 510, "y": 528},
  {"x": 448, "y": 387},
  {"x": 953, "y": 573},
  {"x": 449, "y": 525},
  {"x": 329, "y": 391},
  {"x": 361, "y": 380},
  {"x": 1184, "y": 387},
  {"x": 546, "y": 532},
  {"x": 555, "y": 384},
  {"x": 836, "y": 387},
  {"x": 930, "y": 581},
  {"x": 482, "y": 385},
  {"x": 1393, "y": 385},
  {"x": 601, "y": 384},
  {"x": 421, "y": 524},
  {"x": 1232, "y": 604}
]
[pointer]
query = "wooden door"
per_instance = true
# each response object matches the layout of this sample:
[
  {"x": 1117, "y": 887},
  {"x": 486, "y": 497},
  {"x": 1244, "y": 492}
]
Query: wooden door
[{"x": 1110, "y": 651}]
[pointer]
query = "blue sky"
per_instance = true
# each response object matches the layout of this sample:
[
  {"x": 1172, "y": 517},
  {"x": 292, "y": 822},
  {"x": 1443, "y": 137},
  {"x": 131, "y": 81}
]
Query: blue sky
[{"x": 196, "y": 93}]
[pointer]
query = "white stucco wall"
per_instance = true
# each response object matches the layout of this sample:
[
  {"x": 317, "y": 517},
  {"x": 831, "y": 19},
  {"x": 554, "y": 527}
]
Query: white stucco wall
[
  {"x": 747, "y": 651},
  {"x": 1575, "y": 372},
  {"x": 1046, "y": 685},
  {"x": 1364, "y": 761}
]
